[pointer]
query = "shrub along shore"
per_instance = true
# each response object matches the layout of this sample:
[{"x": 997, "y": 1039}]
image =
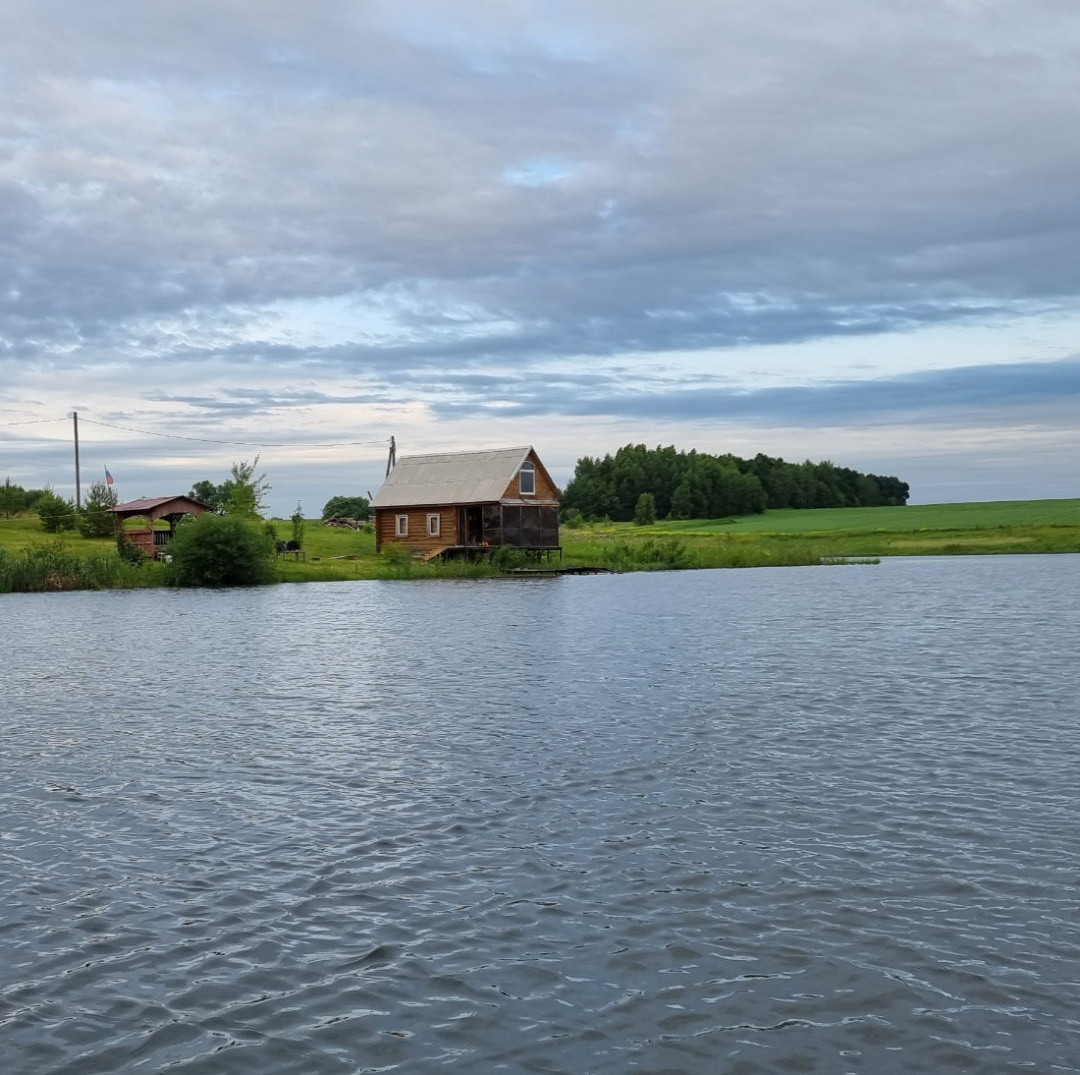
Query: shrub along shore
[{"x": 31, "y": 560}]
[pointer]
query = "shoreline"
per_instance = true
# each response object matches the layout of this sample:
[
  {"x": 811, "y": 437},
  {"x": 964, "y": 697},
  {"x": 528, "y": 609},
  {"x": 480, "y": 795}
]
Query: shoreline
[{"x": 775, "y": 539}]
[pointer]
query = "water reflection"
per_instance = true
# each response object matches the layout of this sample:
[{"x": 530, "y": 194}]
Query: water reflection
[{"x": 742, "y": 821}]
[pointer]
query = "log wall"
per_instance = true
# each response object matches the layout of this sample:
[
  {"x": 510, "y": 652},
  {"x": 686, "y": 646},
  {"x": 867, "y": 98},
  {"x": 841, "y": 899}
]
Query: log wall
[{"x": 418, "y": 537}]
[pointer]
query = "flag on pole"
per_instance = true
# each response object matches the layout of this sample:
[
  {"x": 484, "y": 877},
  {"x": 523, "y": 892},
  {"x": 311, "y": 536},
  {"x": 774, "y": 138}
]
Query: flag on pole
[{"x": 108, "y": 477}]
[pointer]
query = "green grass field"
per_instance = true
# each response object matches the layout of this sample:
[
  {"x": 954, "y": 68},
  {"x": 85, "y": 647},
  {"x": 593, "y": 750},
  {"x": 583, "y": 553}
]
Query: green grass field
[
  {"x": 812, "y": 536},
  {"x": 25, "y": 531},
  {"x": 973, "y": 516},
  {"x": 776, "y": 538}
]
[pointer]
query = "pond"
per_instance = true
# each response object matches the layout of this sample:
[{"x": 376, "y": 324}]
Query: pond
[{"x": 780, "y": 820}]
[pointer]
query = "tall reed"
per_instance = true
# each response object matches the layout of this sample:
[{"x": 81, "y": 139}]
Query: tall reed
[{"x": 50, "y": 567}]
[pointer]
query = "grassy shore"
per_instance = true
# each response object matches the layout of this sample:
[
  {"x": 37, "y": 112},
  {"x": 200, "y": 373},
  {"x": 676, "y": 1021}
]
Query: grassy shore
[
  {"x": 776, "y": 538},
  {"x": 791, "y": 537}
]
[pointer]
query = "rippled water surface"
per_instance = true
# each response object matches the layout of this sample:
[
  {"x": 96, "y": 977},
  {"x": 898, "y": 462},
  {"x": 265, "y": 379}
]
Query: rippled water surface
[{"x": 791, "y": 820}]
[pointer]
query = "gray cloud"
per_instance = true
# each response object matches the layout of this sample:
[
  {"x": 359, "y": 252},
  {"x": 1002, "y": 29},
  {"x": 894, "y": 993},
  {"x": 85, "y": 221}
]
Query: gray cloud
[
  {"x": 866, "y": 158},
  {"x": 909, "y": 397},
  {"x": 490, "y": 190}
]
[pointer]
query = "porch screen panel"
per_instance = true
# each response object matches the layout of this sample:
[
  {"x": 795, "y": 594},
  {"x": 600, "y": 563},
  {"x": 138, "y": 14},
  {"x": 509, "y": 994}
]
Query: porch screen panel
[
  {"x": 511, "y": 521},
  {"x": 493, "y": 524},
  {"x": 549, "y": 527},
  {"x": 530, "y": 526}
]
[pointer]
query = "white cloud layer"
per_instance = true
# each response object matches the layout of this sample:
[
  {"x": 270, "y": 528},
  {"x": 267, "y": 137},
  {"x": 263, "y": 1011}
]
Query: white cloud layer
[{"x": 757, "y": 225}]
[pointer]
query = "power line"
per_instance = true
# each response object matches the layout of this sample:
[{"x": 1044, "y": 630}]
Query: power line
[
  {"x": 243, "y": 443},
  {"x": 36, "y": 462},
  {"x": 208, "y": 440}
]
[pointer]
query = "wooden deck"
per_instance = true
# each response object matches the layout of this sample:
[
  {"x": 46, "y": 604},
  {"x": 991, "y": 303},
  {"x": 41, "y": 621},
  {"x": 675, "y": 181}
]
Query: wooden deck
[
  {"x": 538, "y": 553},
  {"x": 563, "y": 571}
]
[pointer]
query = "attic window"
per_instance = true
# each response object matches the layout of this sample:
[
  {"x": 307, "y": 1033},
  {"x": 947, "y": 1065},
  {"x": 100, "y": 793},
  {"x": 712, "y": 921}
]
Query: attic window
[{"x": 527, "y": 479}]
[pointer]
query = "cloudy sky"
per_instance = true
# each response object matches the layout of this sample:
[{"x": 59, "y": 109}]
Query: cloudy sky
[{"x": 838, "y": 229}]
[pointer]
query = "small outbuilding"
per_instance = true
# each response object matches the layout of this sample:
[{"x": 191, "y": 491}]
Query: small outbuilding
[
  {"x": 457, "y": 503},
  {"x": 149, "y": 539}
]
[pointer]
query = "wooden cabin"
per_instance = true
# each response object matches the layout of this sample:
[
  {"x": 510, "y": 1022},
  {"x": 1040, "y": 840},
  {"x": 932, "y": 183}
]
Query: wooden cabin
[
  {"x": 151, "y": 540},
  {"x": 458, "y": 503}
]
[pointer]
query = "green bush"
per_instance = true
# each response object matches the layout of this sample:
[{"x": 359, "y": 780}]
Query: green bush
[
  {"x": 666, "y": 554},
  {"x": 398, "y": 559},
  {"x": 221, "y": 550},
  {"x": 128, "y": 552},
  {"x": 506, "y": 558}
]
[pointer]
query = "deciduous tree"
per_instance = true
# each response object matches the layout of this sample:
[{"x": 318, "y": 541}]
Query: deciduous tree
[
  {"x": 213, "y": 496},
  {"x": 351, "y": 507},
  {"x": 246, "y": 492},
  {"x": 698, "y": 485}
]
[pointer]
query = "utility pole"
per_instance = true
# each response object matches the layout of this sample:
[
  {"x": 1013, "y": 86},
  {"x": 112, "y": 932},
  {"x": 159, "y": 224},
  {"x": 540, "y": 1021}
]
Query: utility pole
[
  {"x": 78, "y": 483},
  {"x": 391, "y": 459}
]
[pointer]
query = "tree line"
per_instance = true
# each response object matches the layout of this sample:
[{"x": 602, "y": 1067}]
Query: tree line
[
  {"x": 15, "y": 499},
  {"x": 57, "y": 514},
  {"x": 696, "y": 485}
]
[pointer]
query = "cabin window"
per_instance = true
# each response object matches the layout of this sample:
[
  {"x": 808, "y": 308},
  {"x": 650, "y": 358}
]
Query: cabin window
[
  {"x": 433, "y": 525},
  {"x": 527, "y": 479},
  {"x": 401, "y": 526}
]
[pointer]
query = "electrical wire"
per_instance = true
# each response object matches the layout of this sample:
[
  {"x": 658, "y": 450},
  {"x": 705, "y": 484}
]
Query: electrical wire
[
  {"x": 209, "y": 440},
  {"x": 243, "y": 443}
]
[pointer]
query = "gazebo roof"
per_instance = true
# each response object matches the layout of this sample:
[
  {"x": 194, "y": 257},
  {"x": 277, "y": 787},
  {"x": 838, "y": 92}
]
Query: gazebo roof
[{"x": 155, "y": 504}]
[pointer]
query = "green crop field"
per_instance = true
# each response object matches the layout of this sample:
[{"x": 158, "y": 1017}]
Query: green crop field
[
  {"x": 913, "y": 517},
  {"x": 816, "y": 536}
]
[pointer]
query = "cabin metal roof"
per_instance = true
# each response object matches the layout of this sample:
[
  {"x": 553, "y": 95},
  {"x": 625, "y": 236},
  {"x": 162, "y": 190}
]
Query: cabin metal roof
[
  {"x": 147, "y": 502},
  {"x": 451, "y": 478}
]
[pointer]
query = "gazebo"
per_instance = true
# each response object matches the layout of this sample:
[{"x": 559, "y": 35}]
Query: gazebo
[{"x": 172, "y": 509}]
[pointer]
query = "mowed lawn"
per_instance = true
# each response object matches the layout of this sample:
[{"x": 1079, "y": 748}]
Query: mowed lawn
[
  {"x": 24, "y": 532},
  {"x": 330, "y": 552}
]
